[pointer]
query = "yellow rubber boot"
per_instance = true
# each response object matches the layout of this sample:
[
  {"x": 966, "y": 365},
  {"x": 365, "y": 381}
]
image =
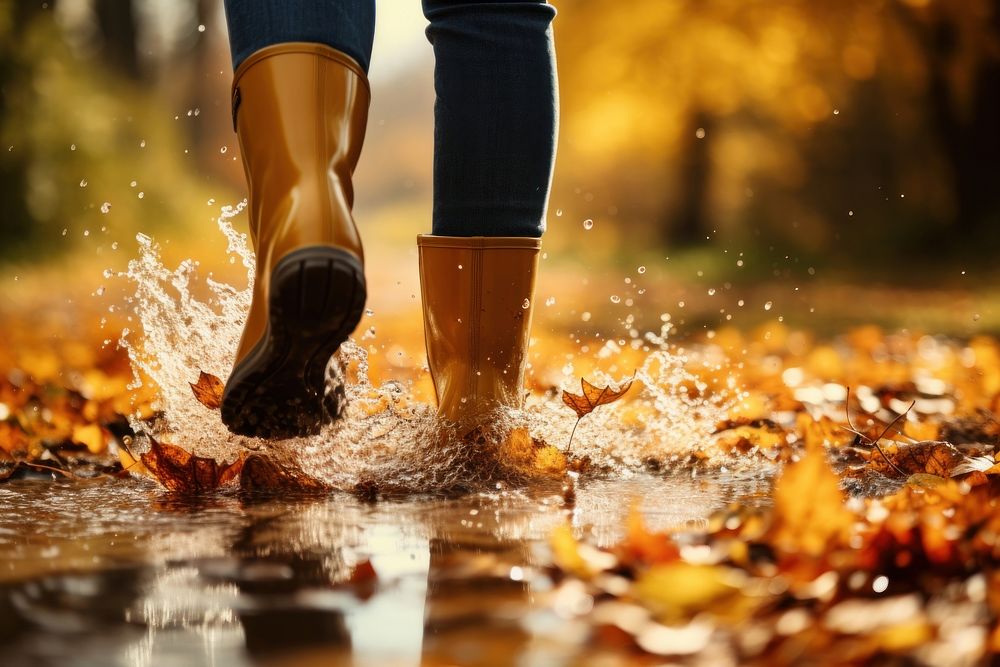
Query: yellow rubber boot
[
  {"x": 478, "y": 294},
  {"x": 300, "y": 111}
]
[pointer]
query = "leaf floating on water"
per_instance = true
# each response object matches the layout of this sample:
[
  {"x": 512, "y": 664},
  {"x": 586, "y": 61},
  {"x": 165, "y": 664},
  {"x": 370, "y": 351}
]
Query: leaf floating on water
[
  {"x": 593, "y": 397},
  {"x": 179, "y": 470},
  {"x": 261, "y": 474},
  {"x": 208, "y": 390}
]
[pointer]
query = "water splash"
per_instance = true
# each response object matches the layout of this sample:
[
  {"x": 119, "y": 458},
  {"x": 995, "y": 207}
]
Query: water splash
[{"x": 190, "y": 324}]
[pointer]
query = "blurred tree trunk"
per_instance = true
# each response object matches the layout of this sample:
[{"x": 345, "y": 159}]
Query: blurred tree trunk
[
  {"x": 691, "y": 214},
  {"x": 16, "y": 157},
  {"x": 116, "y": 19},
  {"x": 968, "y": 128}
]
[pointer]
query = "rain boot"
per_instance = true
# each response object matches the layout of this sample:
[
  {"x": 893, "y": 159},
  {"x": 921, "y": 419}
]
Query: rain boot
[
  {"x": 299, "y": 110},
  {"x": 477, "y": 294}
]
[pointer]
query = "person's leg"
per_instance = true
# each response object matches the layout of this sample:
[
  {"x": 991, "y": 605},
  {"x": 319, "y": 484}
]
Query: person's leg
[
  {"x": 300, "y": 108},
  {"x": 494, "y": 143},
  {"x": 495, "y": 120},
  {"x": 345, "y": 25}
]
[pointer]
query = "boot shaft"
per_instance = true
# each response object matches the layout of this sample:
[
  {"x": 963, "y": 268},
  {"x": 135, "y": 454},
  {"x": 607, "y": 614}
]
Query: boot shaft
[
  {"x": 300, "y": 112},
  {"x": 478, "y": 296}
]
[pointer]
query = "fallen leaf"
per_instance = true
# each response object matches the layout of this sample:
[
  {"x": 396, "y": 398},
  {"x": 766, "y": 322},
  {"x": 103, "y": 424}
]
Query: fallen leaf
[
  {"x": 208, "y": 390},
  {"x": 179, "y": 470},
  {"x": 810, "y": 515},
  {"x": 91, "y": 436},
  {"x": 131, "y": 464},
  {"x": 642, "y": 545},
  {"x": 261, "y": 474},
  {"x": 909, "y": 458},
  {"x": 675, "y": 591}
]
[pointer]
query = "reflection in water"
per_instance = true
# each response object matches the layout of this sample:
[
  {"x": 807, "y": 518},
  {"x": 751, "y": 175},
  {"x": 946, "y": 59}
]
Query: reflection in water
[{"x": 93, "y": 577}]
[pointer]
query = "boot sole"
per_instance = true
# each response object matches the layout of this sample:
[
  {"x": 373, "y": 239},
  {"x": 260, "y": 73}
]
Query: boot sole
[{"x": 279, "y": 390}]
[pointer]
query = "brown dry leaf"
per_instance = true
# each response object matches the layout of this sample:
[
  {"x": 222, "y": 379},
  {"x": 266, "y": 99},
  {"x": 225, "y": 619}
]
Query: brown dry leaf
[
  {"x": 208, "y": 390},
  {"x": 810, "y": 515},
  {"x": 593, "y": 396},
  {"x": 932, "y": 457},
  {"x": 262, "y": 474},
  {"x": 179, "y": 470},
  {"x": 364, "y": 580}
]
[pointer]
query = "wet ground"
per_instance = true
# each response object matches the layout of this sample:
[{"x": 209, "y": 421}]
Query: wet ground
[{"x": 112, "y": 572}]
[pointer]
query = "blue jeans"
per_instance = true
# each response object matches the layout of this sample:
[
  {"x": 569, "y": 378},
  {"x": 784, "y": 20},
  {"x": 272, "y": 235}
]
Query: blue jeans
[{"x": 496, "y": 114}]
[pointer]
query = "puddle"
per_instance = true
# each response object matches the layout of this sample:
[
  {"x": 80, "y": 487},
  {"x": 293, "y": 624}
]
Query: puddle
[{"x": 105, "y": 573}]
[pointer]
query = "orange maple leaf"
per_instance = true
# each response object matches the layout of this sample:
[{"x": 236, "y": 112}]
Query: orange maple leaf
[
  {"x": 591, "y": 398},
  {"x": 208, "y": 390}
]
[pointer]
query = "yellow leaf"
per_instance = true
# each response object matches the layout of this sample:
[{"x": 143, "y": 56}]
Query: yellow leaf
[
  {"x": 131, "y": 464},
  {"x": 90, "y": 435},
  {"x": 810, "y": 515},
  {"x": 678, "y": 590},
  {"x": 566, "y": 552}
]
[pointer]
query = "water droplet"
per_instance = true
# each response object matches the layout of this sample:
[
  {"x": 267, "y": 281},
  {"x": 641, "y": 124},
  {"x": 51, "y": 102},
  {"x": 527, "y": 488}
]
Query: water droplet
[
  {"x": 201, "y": 27},
  {"x": 588, "y": 224},
  {"x": 700, "y": 133},
  {"x": 459, "y": 267},
  {"x": 64, "y": 231},
  {"x": 105, "y": 207},
  {"x": 642, "y": 269},
  {"x": 768, "y": 305},
  {"x": 86, "y": 232},
  {"x": 223, "y": 149},
  {"x": 99, "y": 291},
  {"x": 211, "y": 200},
  {"x": 585, "y": 316},
  {"x": 975, "y": 318},
  {"x": 141, "y": 195},
  {"x": 526, "y": 304},
  {"x": 615, "y": 298},
  {"x": 114, "y": 245},
  {"x": 550, "y": 301},
  {"x": 558, "y": 212},
  {"x": 142, "y": 144},
  {"x": 836, "y": 112},
  {"x": 72, "y": 147},
  {"x": 83, "y": 182},
  {"x": 711, "y": 291},
  {"x": 133, "y": 184}
]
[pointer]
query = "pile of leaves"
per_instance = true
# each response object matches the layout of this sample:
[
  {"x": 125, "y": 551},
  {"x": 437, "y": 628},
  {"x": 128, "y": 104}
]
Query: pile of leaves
[{"x": 817, "y": 578}]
